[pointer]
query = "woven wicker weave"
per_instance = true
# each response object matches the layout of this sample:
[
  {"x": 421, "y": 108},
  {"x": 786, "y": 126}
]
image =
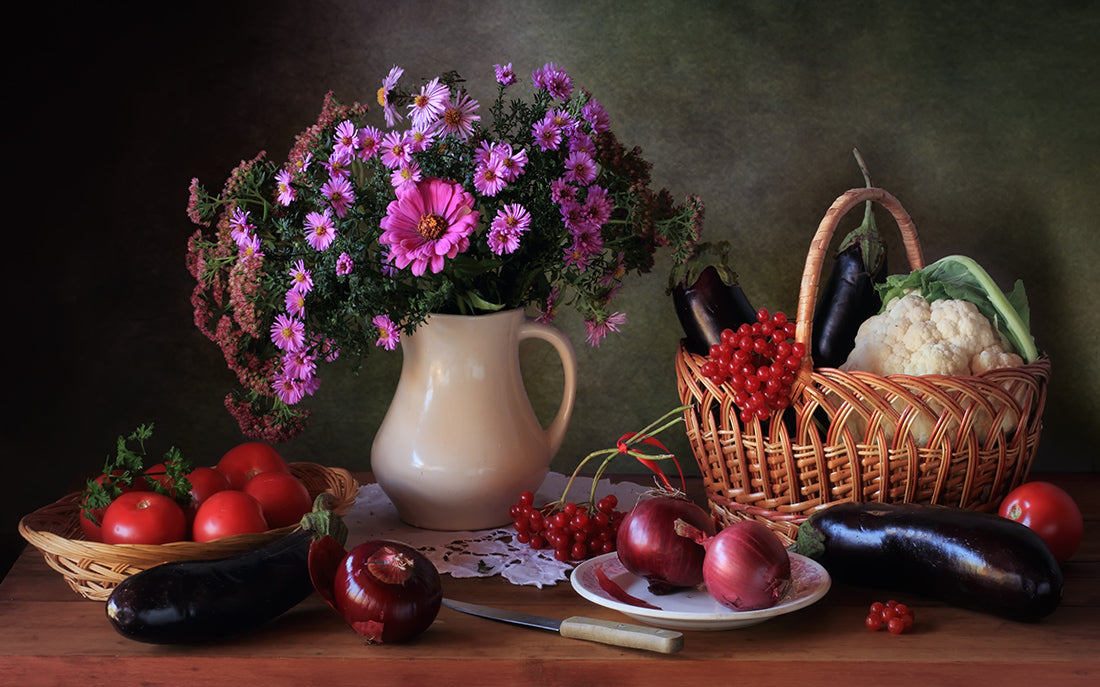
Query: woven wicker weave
[
  {"x": 854, "y": 436},
  {"x": 92, "y": 569}
]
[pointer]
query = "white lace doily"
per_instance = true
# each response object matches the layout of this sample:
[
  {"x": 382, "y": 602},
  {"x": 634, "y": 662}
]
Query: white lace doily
[{"x": 483, "y": 553}]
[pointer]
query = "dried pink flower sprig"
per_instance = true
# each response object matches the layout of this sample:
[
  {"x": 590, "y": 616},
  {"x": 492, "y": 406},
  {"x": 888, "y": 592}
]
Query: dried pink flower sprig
[{"x": 369, "y": 228}]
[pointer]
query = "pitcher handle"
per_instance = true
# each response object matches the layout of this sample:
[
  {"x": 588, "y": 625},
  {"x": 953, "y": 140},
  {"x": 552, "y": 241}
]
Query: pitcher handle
[{"x": 530, "y": 329}]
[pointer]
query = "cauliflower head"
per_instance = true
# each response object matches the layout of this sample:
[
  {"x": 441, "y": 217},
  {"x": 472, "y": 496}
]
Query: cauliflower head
[{"x": 914, "y": 337}]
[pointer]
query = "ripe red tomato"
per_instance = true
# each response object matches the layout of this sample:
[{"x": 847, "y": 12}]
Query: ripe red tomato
[
  {"x": 248, "y": 459},
  {"x": 1051, "y": 512},
  {"x": 143, "y": 517},
  {"x": 283, "y": 497},
  {"x": 204, "y": 482},
  {"x": 227, "y": 513},
  {"x": 92, "y": 531}
]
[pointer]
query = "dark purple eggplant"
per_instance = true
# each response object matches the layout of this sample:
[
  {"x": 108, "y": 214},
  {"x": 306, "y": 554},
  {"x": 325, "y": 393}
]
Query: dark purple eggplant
[
  {"x": 849, "y": 297},
  {"x": 185, "y": 602},
  {"x": 968, "y": 559},
  {"x": 707, "y": 297}
]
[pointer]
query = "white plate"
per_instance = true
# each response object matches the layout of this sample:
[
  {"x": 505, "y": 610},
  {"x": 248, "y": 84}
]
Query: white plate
[{"x": 694, "y": 609}]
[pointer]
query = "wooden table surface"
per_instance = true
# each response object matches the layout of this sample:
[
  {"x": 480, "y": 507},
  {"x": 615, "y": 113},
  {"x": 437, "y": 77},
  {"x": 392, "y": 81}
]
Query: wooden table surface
[{"x": 51, "y": 636}]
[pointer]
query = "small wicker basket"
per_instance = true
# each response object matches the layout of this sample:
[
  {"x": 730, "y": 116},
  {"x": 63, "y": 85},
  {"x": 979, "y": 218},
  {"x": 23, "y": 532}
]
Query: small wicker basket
[
  {"x": 92, "y": 569},
  {"x": 855, "y": 436}
]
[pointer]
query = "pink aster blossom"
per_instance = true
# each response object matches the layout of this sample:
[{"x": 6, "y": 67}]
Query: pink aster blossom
[
  {"x": 286, "y": 193},
  {"x": 388, "y": 108},
  {"x": 299, "y": 364},
  {"x": 344, "y": 265},
  {"x": 429, "y": 103},
  {"x": 388, "y": 333},
  {"x": 580, "y": 168},
  {"x": 395, "y": 151},
  {"x": 554, "y": 80},
  {"x": 562, "y": 120},
  {"x": 295, "y": 302},
  {"x": 340, "y": 194},
  {"x": 505, "y": 74},
  {"x": 252, "y": 246},
  {"x": 288, "y": 333},
  {"x": 512, "y": 163},
  {"x": 598, "y": 205},
  {"x": 548, "y": 312},
  {"x": 429, "y": 224},
  {"x": 559, "y": 189},
  {"x": 239, "y": 227},
  {"x": 419, "y": 139},
  {"x": 458, "y": 118},
  {"x": 288, "y": 389},
  {"x": 405, "y": 177},
  {"x": 370, "y": 142},
  {"x": 488, "y": 178},
  {"x": 602, "y": 326},
  {"x": 301, "y": 279},
  {"x": 546, "y": 134},
  {"x": 345, "y": 139},
  {"x": 596, "y": 116},
  {"x": 338, "y": 165},
  {"x": 581, "y": 142},
  {"x": 320, "y": 230},
  {"x": 509, "y": 225}
]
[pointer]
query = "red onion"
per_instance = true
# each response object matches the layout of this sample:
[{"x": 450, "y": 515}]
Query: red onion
[
  {"x": 746, "y": 567},
  {"x": 649, "y": 547},
  {"x": 386, "y": 591}
]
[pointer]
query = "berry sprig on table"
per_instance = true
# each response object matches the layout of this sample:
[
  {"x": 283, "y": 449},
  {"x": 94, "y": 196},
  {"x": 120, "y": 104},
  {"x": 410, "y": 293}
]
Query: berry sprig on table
[{"x": 574, "y": 531}]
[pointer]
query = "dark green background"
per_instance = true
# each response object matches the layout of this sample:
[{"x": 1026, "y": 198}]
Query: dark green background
[{"x": 981, "y": 117}]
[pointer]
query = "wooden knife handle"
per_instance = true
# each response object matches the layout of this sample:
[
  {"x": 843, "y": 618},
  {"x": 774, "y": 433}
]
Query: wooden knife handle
[{"x": 622, "y": 634}]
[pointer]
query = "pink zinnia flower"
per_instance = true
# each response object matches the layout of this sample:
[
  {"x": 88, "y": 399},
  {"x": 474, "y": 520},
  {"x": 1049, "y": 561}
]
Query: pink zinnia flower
[
  {"x": 286, "y": 194},
  {"x": 505, "y": 75},
  {"x": 388, "y": 108},
  {"x": 288, "y": 333},
  {"x": 370, "y": 142},
  {"x": 320, "y": 230},
  {"x": 488, "y": 179},
  {"x": 601, "y": 327},
  {"x": 395, "y": 151},
  {"x": 301, "y": 279},
  {"x": 510, "y": 223},
  {"x": 553, "y": 79},
  {"x": 344, "y": 265},
  {"x": 430, "y": 223},
  {"x": 340, "y": 194},
  {"x": 580, "y": 168},
  {"x": 458, "y": 118},
  {"x": 388, "y": 334},
  {"x": 346, "y": 139},
  {"x": 295, "y": 302},
  {"x": 429, "y": 104}
]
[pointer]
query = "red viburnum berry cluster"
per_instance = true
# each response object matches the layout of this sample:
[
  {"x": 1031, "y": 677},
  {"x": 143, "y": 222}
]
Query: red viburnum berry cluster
[
  {"x": 574, "y": 531},
  {"x": 759, "y": 362},
  {"x": 897, "y": 618}
]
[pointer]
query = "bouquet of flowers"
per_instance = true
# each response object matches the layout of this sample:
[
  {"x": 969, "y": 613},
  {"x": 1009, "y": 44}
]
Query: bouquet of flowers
[{"x": 366, "y": 230}]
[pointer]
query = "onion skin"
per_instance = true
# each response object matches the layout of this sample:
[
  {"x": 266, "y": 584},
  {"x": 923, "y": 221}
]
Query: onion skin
[
  {"x": 648, "y": 546},
  {"x": 388, "y": 592},
  {"x": 746, "y": 567}
]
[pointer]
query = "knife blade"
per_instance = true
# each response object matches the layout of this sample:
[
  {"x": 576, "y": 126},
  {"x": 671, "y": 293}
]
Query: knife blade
[{"x": 580, "y": 627}]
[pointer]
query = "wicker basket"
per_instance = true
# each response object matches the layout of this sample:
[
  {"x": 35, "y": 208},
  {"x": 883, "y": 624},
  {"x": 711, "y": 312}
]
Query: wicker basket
[
  {"x": 92, "y": 569},
  {"x": 959, "y": 441}
]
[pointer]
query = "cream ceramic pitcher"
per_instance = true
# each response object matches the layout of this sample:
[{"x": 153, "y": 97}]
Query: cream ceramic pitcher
[{"x": 460, "y": 440}]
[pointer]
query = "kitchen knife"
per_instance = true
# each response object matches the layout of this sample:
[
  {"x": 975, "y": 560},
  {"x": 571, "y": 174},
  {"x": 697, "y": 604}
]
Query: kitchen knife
[{"x": 579, "y": 627}]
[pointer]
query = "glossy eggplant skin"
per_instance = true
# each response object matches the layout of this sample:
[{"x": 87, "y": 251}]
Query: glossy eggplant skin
[
  {"x": 708, "y": 306},
  {"x": 201, "y": 601},
  {"x": 968, "y": 559},
  {"x": 847, "y": 300}
]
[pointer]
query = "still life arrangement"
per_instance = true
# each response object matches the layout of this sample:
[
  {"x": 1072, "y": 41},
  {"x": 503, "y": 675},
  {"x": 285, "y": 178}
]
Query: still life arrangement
[{"x": 881, "y": 434}]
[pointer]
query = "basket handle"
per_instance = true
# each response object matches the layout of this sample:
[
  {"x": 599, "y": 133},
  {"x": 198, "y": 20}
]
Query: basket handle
[{"x": 815, "y": 258}]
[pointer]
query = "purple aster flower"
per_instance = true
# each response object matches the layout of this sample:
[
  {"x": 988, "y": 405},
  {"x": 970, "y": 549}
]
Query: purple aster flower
[
  {"x": 295, "y": 302},
  {"x": 239, "y": 227},
  {"x": 512, "y": 163},
  {"x": 428, "y": 224},
  {"x": 370, "y": 142},
  {"x": 546, "y": 134},
  {"x": 344, "y": 265},
  {"x": 554, "y": 80},
  {"x": 299, "y": 364},
  {"x": 346, "y": 139},
  {"x": 252, "y": 246},
  {"x": 488, "y": 178},
  {"x": 320, "y": 230},
  {"x": 598, "y": 205},
  {"x": 559, "y": 189},
  {"x": 429, "y": 103},
  {"x": 388, "y": 108},
  {"x": 419, "y": 139},
  {"x": 338, "y": 165},
  {"x": 289, "y": 390},
  {"x": 288, "y": 333},
  {"x": 286, "y": 193},
  {"x": 340, "y": 194},
  {"x": 580, "y": 142},
  {"x": 395, "y": 151},
  {"x": 580, "y": 168},
  {"x": 405, "y": 177},
  {"x": 509, "y": 225},
  {"x": 301, "y": 279},
  {"x": 547, "y": 313},
  {"x": 388, "y": 334},
  {"x": 596, "y": 116},
  {"x": 458, "y": 118},
  {"x": 602, "y": 326},
  {"x": 505, "y": 75}
]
